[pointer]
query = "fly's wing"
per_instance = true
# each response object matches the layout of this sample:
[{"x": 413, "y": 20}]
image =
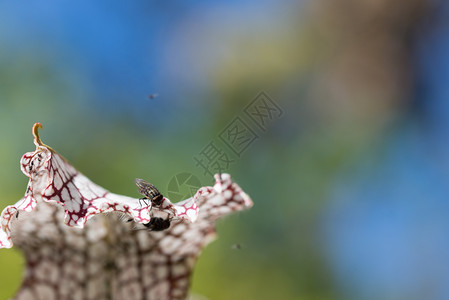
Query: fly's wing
[{"x": 147, "y": 189}]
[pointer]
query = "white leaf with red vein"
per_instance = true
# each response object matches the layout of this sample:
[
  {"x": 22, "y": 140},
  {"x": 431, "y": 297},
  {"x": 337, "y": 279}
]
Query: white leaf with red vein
[
  {"x": 129, "y": 263},
  {"x": 53, "y": 179}
]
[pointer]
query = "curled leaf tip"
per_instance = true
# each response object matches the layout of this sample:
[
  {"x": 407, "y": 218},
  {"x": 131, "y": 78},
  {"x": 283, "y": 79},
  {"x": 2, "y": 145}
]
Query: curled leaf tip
[{"x": 37, "y": 139}]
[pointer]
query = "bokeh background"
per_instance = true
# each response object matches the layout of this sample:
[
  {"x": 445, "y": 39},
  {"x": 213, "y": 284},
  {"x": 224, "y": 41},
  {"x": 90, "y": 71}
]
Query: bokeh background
[{"x": 350, "y": 184}]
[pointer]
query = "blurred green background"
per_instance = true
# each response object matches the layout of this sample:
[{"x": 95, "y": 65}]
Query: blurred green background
[{"x": 349, "y": 184}]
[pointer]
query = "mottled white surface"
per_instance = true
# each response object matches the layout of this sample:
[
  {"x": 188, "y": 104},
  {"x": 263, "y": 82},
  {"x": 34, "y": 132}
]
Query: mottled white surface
[{"x": 78, "y": 244}]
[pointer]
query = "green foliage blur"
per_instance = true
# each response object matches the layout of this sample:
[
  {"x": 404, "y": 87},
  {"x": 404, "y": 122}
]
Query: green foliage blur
[{"x": 285, "y": 182}]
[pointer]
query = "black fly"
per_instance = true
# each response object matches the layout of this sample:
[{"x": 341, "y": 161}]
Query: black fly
[
  {"x": 149, "y": 191},
  {"x": 152, "y": 193},
  {"x": 157, "y": 224}
]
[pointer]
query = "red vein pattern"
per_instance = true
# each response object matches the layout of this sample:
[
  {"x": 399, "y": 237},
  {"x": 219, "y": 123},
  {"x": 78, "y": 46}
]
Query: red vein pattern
[{"x": 71, "y": 254}]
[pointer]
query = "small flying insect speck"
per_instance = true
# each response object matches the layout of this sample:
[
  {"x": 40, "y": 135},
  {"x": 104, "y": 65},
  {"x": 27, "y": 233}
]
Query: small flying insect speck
[
  {"x": 149, "y": 191},
  {"x": 237, "y": 246},
  {"x": 152, "y": 96}
]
